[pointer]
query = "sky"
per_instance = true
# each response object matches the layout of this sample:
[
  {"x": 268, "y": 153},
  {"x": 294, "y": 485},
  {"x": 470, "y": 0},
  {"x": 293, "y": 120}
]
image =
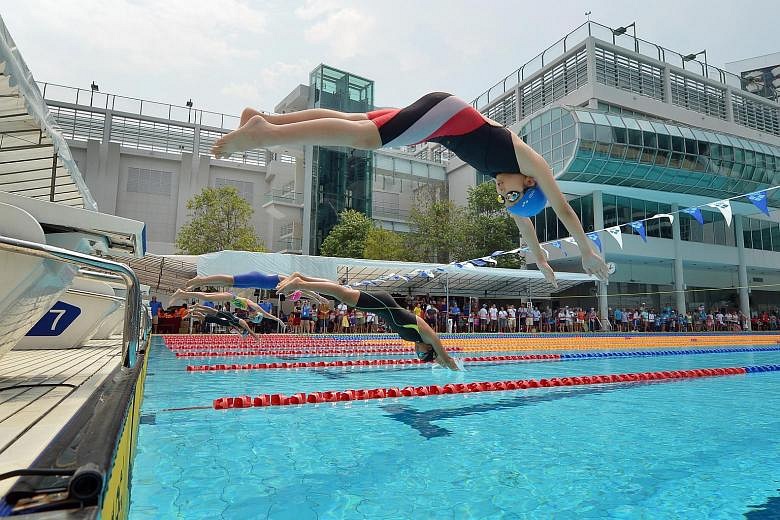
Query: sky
[{"x": 229, "y": 54}]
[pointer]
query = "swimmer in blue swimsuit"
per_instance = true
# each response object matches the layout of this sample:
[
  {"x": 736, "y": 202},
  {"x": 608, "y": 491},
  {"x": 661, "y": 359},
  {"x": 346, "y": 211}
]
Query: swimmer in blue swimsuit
[
  {"x": 428, "y": 347},
  {"x": 524, "y": 180},
  {"x": 250, "y": 280}
]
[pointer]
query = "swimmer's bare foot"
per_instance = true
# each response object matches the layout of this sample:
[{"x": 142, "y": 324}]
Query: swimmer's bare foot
[
  {"x": 194, "y": 282},
  {"x": 247, "y": 114},
  {"x": 177, "y": 295},
  {"x": 290, "y": 283},
  {"x": 251, "y": 135}
]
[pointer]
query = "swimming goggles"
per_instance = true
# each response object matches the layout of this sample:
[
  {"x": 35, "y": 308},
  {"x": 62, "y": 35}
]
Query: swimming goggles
[{"x": 511, "y": 196}]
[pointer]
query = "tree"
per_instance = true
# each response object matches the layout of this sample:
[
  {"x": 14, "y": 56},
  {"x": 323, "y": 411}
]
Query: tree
[
  {"x": 383, "y": 244},
  {"x": 437, "y": 229},
  {"x": 220, "y": 220},
  {"x": 489, "y": 227},
  {"x": 348, "y": 236}
]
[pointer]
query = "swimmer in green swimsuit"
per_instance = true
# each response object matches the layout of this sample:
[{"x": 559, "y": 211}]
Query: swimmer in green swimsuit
[
  {"x": 427, "y": 344},
  {"x": 237, "y": 302}
]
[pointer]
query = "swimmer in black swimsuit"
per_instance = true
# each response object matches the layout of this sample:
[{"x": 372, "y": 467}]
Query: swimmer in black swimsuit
[
  {"x": 524, "y": 180},
  {"x": 238, "y": 302},
  {"x": 427, "y": 344},
  {"x": 223, "y": 319}
]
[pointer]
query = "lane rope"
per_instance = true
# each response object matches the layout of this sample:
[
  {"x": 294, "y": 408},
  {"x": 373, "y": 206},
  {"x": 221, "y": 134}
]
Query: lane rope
[
  {"x": 300, "y": 398},
  {"x": 360, "y": 363}
]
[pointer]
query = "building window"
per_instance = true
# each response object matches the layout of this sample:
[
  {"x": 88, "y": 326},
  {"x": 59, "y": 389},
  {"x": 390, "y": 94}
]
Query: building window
[
  {"x": 245, "y": 189},
  {"x": 152, "y": 182}
]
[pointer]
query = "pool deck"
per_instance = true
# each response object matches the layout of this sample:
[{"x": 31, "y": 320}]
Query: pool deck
[{"x": 41, "y": 390}]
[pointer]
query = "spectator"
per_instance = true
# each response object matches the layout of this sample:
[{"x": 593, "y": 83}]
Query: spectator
[
  {"x": 455, "y": 315},
  {"x": 483, "y": 318},
  {"x": 154, "y": 309},
  {"x": 502, "y": 320},
  {"x": 493, "y": 311}
]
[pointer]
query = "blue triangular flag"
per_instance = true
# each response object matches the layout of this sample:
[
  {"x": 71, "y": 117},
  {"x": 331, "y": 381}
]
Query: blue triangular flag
[
  {"x": 695, "y": 213},
  {"x": 596, "y": 240},
  {"x": 496, "y": 253},
  {"x": 478, "y": 262},
  {"x": 759, "y": 200},
  {"x": 639, "y": 227},
  {"x": 557, "y": 243}
]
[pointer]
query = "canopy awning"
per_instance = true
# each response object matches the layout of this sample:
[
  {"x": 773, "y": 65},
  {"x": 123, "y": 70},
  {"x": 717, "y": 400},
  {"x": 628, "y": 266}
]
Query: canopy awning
[
  {"x": 34, "y": 158},
  {"x": 396, "y": 277},
  {"x": 437, "y": 279}
]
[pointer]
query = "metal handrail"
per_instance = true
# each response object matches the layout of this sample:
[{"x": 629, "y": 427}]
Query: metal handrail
[
  {"x": 92, "y": 294},
  {"x": 131, "y": 330},
  {"x": 724, "y": 77}
]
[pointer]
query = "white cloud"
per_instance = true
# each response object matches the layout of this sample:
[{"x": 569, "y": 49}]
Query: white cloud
[
  {"x": 345, "y": 31},
  {"x": 154, "y": 36},
  {"x": 316, "y": 8}
]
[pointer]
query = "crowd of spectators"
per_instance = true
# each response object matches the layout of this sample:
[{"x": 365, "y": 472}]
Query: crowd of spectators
[{"x": 305, "y": 317}]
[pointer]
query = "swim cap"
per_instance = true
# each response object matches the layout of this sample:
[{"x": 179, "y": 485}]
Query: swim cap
[{"x": 532, "y": 202}]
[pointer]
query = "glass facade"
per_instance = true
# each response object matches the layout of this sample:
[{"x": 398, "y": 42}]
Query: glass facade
[
  {"x": 553, "y": 135},
  {"x": 341, "y": 177},
  {"x": 761, "y": 234},
  {"x": 619, "y": 150}
]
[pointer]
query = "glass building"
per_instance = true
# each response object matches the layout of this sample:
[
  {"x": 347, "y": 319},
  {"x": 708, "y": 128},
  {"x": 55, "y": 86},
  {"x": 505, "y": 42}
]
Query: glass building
[
  {"x": 633, "y": 130},
  {"x": 340, "y": 178}
]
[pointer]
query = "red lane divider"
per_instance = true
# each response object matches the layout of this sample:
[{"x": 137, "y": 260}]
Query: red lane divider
[
  {"x": 246, "y": 401},
  {"x": 265, "y": 352},
  {"x": 359, "y": 363}
]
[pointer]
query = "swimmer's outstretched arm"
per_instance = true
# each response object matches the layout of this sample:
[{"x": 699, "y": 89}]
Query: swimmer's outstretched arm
[
  {"x": 534, "y": 165},
  {"x": 244, "y": 325},
  {"x": 431, "y": 338},
  {"x": 526, "y": 227},
  {"x": 268, "y": 315}
]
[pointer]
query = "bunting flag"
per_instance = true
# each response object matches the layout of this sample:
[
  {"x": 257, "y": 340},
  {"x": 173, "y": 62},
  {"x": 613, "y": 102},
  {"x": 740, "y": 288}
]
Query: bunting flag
[
  {"x": 695, "y": 213},
  {"x": 557, "y": 243},
  {"x": 596, "y": 240},
  {"x": 639, "y": 227},
  {"x": 617, "y": 234},
  {"x": 725, "y": 207},
  {"x": 759, "y": 200}
]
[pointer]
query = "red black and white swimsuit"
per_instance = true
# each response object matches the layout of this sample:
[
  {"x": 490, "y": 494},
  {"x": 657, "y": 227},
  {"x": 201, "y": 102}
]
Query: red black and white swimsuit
[{"x": 443, "y": 118}]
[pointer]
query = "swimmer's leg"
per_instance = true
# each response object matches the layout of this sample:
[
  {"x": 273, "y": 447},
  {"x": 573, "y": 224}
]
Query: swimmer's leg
[
  {"x": 329, "y": 131},
  {"x": 301, "y": 115},
  {"x": 345, "y": 294},
  {"x": 216, "y": 279}
]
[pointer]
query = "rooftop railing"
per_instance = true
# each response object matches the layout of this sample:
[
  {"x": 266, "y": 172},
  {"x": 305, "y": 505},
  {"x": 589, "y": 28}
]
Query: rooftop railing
[{"x": 603, "y": 32}]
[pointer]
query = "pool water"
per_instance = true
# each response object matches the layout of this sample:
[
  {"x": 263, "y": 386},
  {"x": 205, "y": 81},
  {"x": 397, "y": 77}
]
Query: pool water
[{"x": 693, "y": 448}]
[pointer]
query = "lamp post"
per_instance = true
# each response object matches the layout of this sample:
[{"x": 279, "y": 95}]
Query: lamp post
[
  {"x": 692, "y": 56},
  {"x": 622, "y": 30}
]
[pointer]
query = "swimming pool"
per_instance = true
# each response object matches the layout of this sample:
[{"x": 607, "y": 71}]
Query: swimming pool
[{"x": 689, "y": 448}]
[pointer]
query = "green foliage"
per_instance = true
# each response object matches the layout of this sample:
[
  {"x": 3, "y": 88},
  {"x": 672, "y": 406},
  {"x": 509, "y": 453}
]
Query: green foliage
[
  {"x": 383, "y": 244},
  {"x": 220, "y": 220},
  {"x": 348, "y": 237},
  {"x": 437, "y": 230},
  {"x": 489, "y": 227}
]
